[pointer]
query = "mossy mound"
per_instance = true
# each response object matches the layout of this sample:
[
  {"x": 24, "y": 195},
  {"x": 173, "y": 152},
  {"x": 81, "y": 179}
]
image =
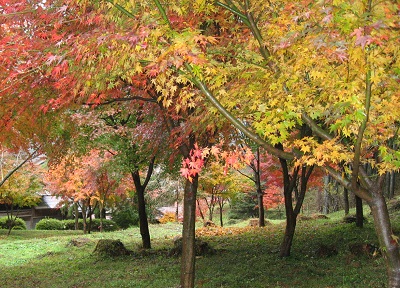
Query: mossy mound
[
  {"x": 202, "y": 248},
  {"x": 324, "y": 251},
  {"x": 111, "y": 248},
  {"x": 79, "y": 242}
]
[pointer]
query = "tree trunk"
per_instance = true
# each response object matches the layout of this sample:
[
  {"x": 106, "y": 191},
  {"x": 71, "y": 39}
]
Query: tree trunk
[
  {"x": 291, "y": 221},
  {"x": 325, "y": 197},
  {"x": 260, "y": 193},
  {"x": 292, "y": 213},
  {"x": 290, "y": 216},
  {"x": 101, "y": 217},
  {"x": 83, "y": 208},
  {"x": 188, "y": 234},
  {"x": 359, "y": 212},
  {"x": 76, "y": 208},
  {"x": 177, "y": 204},
  {"x": 200, "y": 211},
  {"x": 261, "y": 210},
  {"x": 221, "y": 206},
  {"x": 143, "y": 222},
  {"x": 89, "y": 227},
  {"x": 386, "y": 240}
]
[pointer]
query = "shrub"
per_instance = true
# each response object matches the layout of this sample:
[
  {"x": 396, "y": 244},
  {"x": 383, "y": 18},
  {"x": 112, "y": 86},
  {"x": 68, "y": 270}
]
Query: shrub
[
  {"x": 108, "y": 225},
  {"x": 50, "y": 224},
  {"x": 167, "y": 217},
  {"x": 19, "y": 224},
  {"x": 125, "y": 217},
  {"x": 70, "y": 224}
]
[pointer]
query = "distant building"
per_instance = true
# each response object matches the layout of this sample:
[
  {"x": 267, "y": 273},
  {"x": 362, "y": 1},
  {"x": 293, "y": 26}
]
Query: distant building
[{"x": 47, "y": 208}]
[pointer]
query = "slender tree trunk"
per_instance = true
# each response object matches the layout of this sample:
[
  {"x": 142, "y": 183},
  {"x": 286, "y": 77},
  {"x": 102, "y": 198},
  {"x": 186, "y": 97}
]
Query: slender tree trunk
[
  {"x": 221, "y": 206},
  {"x": 290, "y": 216},
  {"x": 291, "y": 221},
  {"x": 177, "y": 204},
  {"x": 359, "y": 212},
  {"x": 292, "y": 213},
  {"x": 325, "y": 197},
  {"x": 101, "y": 217},
  {"x": 261, "y": 210},
  {"x": 188, "y": 234},
  {"x": 76, "y": 209},
  {"x": 143, "y": 222},
  {"x": 89, "y": 227},
  {"x": 386, "y": 238},
  {"x": 83, "y": 208},
  {"x": 200, "y": 211},
  {"x": 260, "y": 193}
]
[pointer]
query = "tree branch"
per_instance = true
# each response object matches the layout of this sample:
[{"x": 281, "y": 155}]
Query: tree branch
[
  {"x": 125, "y": 99},
  {"x": 15, "y": 169},
  {"x": 238, "y": 124},
  {"x": 315, "y": 128}
]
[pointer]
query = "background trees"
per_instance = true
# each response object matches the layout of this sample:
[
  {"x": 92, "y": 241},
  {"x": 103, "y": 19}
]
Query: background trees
[{"x": 20, "y": 184}]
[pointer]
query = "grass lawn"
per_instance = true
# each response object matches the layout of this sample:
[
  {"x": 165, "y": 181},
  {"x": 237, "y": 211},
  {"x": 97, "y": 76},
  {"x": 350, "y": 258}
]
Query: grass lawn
[{"x": 245, "y": 257}]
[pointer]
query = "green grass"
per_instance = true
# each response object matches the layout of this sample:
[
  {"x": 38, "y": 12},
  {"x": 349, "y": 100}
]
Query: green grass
[{"x": 45, "y": 259}]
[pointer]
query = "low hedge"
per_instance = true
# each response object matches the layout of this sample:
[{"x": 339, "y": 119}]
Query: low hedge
[
  {"x": 19, "y": 224},
  {"x": 55, "y": 224},
  {"x": 50, "y": 224}
]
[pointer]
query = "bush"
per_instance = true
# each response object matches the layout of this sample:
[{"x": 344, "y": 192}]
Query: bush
[
  {"x": 167, "y": 217},
  {"x": 70, "y": 224},
  {"x": 50, "y": 224},
  {"x": 126, "y": 216},
  {"x": 108, "y": 225},
  {"x": 19, "y": 224}
]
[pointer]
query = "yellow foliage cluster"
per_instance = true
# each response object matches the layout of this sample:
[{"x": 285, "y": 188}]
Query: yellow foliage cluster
[
  {"x": 221, "y": 231},
  {"x": 167, "y": 218}
]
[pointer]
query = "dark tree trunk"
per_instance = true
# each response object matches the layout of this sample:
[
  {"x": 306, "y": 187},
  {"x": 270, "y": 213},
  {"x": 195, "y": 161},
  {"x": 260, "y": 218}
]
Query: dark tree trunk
[
  {"x": 292, "y": 213},
  {"x": 143, "y": 222},
  {"x": 84, "y": 219},
  {"x": 200, "y": 211},
  {"x": 76, "y": 208},
  {"x": 290, "y": 216},
  {"x": 188, "y": 234},
  {"x": 359, "y": 212},
  {"x": 221, "y": 206},
  {"x": 140, "y": 191},
  {"x": 325, "y": 197},
  {"x": 260, "y": 193},
  {"x": 89, "y": 227}
]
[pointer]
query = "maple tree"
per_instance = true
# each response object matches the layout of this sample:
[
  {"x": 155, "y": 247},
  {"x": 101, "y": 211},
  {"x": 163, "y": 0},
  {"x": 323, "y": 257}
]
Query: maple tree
[
  {"x": 84, "y": 181},
  {"x": 355, "y": 46},
  {"x": 22, "y": 186},
  {"x": 217, "y": 187}
]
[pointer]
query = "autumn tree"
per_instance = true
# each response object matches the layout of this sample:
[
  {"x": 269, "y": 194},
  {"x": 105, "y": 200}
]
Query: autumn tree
[
  {"x": 293, "y": 53},
  {"x": 22, "y": 186},
  {"x": 85, "y": 182},
  {"x": 216, "y": 188}
]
